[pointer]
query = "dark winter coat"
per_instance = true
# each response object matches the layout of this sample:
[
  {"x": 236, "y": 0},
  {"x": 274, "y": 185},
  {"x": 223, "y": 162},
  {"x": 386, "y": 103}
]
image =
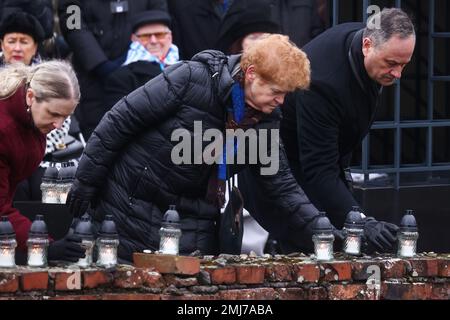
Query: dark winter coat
[
  {"x": 128, "y": 159},
  {"x": 103, "y": 37},
  {"x": 22, "y": 148},
  {"x": 128, "y": 78},
  {"x": 323, "y": 125},
  {"x": 299, "y": 19},
  {"x": 195, "y": 25}
]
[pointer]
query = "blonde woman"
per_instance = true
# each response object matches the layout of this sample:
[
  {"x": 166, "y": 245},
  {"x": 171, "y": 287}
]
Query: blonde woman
[{"x": 34, "y": 100}]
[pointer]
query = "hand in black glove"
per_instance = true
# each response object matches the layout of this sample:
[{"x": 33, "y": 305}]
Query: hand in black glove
[
  {"x": 380, "y": 235},
  {"x": 338, "y": 239},
  {"x": 79, "y": 198},
  {"x": 67, "y": 249}
]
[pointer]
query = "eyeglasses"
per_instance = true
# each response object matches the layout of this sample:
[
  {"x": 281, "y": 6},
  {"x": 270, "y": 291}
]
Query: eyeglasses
[{"x": 147, "y": 36}]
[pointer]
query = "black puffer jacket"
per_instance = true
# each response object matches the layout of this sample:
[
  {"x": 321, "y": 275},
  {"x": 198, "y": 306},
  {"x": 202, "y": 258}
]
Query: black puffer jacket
[{"x": 128, "y": 159}]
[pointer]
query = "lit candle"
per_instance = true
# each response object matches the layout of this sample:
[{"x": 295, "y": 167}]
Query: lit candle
[
  {"x": 108, "y": 256},
  {"x": 63, "y": 197},
  {"x": 87, "y": 260},
  {"x": 323, "y": 251},
  {"x": 36, "y": 257},
  {"x": 169, "y": 245},
  {"x": 50, "y": 197},
  {"x": 407, "y": 248},
  {"x": 7, "y": 258},
  {"x": 352, "y": 245}
]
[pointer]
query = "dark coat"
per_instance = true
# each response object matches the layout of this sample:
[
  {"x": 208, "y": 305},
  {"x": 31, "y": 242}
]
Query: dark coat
[
  {"x": 299, "y": 19},
  {"x": 195, "y": 25},
  {"x": 22, "y": 148},
  {"x": 103, "y": 36},
  {"x": 128, "y": 159},
  {"x": 323, "y": 125},
  {"x": 128, "y": 78}
]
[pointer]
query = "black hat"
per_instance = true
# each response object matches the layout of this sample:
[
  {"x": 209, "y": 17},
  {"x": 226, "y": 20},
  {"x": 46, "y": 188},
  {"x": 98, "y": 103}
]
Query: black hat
[
  {"x": 150, "y": 16},
  {"x": 22, "y": 22},
  {"x": 254, "y": 17}
]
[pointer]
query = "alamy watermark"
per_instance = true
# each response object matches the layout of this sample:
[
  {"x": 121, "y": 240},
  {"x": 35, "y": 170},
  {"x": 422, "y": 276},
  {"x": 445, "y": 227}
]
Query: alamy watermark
[{"x": 253, "y": 147}]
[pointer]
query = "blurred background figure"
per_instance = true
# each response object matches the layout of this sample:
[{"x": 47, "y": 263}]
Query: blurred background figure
[
  {"x": 99, "y": 48},
  {"x": 150, "y": 51}
]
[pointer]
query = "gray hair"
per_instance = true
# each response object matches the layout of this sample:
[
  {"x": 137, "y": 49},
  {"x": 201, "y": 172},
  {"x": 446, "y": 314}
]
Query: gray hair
[
  {"x": 393, "y": 22},
  {"x": 52, "y": 79}
]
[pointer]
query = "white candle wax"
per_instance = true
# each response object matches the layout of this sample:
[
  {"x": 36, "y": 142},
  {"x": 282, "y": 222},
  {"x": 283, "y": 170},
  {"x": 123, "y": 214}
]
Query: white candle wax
[
  {"x": 108, "y": 256},
  {"x": 36, "y": 257},
  {"x": 322, "y": 252},
  {"x": 170, "y": 246},
  {"x": 352, "y": 245},
  {"x": 50, "y": 197},
  {"x": 407, "y": 248},
  {"x": 7, "y": 258}
]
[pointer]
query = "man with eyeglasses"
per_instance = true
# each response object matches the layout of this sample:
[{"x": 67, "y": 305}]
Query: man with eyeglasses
[{"x": 150, "y": 51}]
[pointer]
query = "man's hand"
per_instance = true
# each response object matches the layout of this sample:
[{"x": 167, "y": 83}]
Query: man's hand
[
  {"x": 66, "y": 249},
  {"x": 79, "y": 198},
  {"x": 381, "y": 236}
]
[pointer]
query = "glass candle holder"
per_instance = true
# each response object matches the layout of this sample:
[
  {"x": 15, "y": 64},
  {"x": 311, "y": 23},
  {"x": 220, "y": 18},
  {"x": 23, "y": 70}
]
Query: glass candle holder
[
  {"x": 170, "y": 240},
  {"x": 88, "y": 245},
  {"x": 7, "y": 253},
  {"x": 323, "y": 246},
  {"x": 352, "y": 242},
  {"x": 407, "y": 244},
  {"x": 37, "y": 252},
  {"x": 107, "y": 252}
]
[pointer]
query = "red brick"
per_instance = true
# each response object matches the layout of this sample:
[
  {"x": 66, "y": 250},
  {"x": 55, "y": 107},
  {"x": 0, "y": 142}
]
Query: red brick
[
  {"x": 307, "y": 272},
  {"x": 130, "y": 296},
  {"x": 191, "y": 297},
  {"x": 444, "y": 267},
  {"x": 171, "y": 279},
  {"x": 350, "y": 292},
  {"x": 360, "y": 269},
  {"x": 440, "y": 291},
  {"x": 292, "y": 294},
  {"x": 95, "y": 279},
  {"x": 393, "y": 269},
  {"x": 31, "y": 281},
  {"x": 406, "y": 291},
  {"x": 424, "y": 267},
  {"x": 152, "y": 279},
  {"x": 249, "y": 294},
  {"x": 222, "y": 275},
  {"x": 128, "y": 278},
  {"x": 317, "y": 293},
  {"x": 165, "y": 263},
  {"x": 66, "y": 280},
  {"x": 247, "y": 274},
  {"x": 9, "y": 282},
  {"x": 337, "y": 271},
  {"x": 278, "y": 273}
]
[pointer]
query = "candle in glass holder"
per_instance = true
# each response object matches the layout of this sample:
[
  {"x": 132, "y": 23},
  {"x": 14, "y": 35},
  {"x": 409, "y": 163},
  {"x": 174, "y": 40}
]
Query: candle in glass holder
[
  {"x": 324, "y": 251},
  {"x": 407, "y": 248},
  {"x": 36, "y": 257},
  {"x": 407, "y": 235},
  {"x": 353, "y": 245},
  {"x": 7, "y": 259},
  {"x": 107, "y": 256}
]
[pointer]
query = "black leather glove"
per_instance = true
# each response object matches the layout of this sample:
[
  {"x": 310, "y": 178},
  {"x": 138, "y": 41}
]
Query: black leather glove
[
  {"x": 380, "y": 236},
  {"x": 338, "y": 239},
  {"x": 66, "y": 249},
  {"x": 79, "y": 198}
]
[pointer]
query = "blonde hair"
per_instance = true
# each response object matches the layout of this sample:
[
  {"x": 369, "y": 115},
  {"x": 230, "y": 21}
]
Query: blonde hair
[
  {"x": 279, "y": 61},
  {"x": 52, "y": 79}
]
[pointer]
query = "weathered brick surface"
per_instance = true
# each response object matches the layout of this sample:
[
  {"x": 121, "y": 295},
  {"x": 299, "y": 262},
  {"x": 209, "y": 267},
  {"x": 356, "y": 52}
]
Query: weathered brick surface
[
  {"x": 95, "y": 279},
  {"x": 444, "y": 267},
  {"x": 351, "y": 292},
  {"x": 337, "y": 271},
  {"x": 222, "y": 275},
  {"x": 164, "y": 263},
  {"x": 279, "y": 272},
  {"x": 32, "y": 281},
  {"x": 406, "y": 291},
  {"x": 419, "y": 278},
  {"x": 249, "y": 294},
  {"x": 251, "y": 274},
  {"x": 306, "y": 272},
  {"x": 9, "y": 282},
  {"x": 423, "y": 267}
]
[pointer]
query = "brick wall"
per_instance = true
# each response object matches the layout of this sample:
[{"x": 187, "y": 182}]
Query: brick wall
[{"x": 237, "y": 278}]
